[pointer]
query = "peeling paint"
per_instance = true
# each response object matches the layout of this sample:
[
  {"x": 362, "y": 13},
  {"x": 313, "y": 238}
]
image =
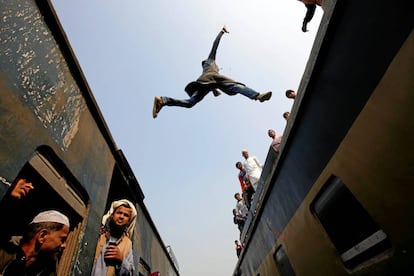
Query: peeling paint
[
  {"x": 4, "y": 181},
  {"x": 34, "y": 64}
]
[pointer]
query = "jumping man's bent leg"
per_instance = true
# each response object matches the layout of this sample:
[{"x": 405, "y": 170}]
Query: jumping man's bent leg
[
  {"x": 159, "y": 102},
  {"x": 187, "y": 103},
  {"x": 235, "y": 88}
]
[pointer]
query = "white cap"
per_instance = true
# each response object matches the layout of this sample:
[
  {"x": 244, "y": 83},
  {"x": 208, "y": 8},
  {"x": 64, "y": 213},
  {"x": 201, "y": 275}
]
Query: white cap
[{"x": 51, "y": 216}]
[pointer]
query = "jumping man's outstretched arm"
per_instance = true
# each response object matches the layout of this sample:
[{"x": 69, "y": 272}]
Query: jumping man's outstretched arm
[{"x": 213, "y": 51}]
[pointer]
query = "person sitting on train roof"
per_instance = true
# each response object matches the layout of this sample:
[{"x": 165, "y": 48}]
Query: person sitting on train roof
[
  {"x": 276, "y": 140},
  {"x": 246, "y": 187},
  {"x": 210, "y": 80},
  {"x": 40, "y": 247},
  {"x": 239, "y": 247},
  {"x": 290, "y": 94},
  {"x": 239, "y": 220},
  {"x": 286, "y": 115},
  {"x": 114, "y": 254},
  {"x": 241, "y": 206},
  {"x": 310, "y": 11}
]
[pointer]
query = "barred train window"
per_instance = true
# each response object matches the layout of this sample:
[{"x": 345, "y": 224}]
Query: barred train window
[
  {"x": 355, "y": 235},
  {"x": 143, "y": 268},
  {"x": 282, "y": 262}
]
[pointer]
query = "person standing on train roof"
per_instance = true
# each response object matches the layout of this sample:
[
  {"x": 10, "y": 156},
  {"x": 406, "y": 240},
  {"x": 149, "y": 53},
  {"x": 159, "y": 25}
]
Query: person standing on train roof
[
  {"x": 241, "y": 206},
  {"x": 310, "y": 11},
  {"x": 239, "y": 247},
  {"x": 253, "y": 168},
  {"x": 246, "y": 187},
  {"x": 290, "y": 94},
  {"x": 276, "y": 140}
]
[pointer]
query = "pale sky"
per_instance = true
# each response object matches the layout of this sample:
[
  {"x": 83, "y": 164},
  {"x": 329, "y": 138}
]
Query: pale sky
[{"x": 132, "y": 50}]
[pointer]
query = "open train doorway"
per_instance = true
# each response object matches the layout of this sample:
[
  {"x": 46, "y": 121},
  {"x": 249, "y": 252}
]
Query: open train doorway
[{"x": 52, "y": 187}]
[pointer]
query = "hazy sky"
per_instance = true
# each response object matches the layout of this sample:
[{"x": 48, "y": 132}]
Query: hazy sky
[{"x": 133, "y": 50}]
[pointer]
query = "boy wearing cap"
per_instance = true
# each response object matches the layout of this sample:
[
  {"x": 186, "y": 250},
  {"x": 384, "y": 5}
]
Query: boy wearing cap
[{"x": 39, "y": 249}]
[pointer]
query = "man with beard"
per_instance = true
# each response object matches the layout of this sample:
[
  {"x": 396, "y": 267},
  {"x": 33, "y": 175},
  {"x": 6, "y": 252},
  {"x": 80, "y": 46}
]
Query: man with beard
[
  {"x": 114, "y": 250},
  {"x": 40, "y": 248}
]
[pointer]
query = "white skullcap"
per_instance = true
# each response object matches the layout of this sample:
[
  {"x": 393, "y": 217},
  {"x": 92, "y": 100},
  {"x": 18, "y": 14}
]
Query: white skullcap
[
  {"x": 245, "y": 150},
  {"x": 51, "y": 216}
]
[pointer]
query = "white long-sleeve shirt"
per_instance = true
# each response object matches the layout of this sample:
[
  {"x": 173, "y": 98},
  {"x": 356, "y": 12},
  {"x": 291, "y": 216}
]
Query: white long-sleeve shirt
[{"x": 253, "y": 169}]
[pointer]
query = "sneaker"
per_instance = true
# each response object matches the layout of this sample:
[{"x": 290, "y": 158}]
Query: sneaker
[
  {"x": 224, "y": 29},
  {"x": 157, "y": 107},
  {"x": 264, "y": 97}
]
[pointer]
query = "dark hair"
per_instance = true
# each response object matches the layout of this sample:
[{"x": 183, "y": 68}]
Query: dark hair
[{"x": 289, "y": 91}]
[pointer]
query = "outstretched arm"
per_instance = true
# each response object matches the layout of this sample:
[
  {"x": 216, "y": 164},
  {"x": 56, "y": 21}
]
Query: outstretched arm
[
  {"x": 216, "y": 42},
  {"x": 257, "y": 162}
]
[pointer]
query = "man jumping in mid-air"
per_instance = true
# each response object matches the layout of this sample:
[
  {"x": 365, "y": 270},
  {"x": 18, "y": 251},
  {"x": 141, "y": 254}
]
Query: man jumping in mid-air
[{"x": 210, "y": 80}]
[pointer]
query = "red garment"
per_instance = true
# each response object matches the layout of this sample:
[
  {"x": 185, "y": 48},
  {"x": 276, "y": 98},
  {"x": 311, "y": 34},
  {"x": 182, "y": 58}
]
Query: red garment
[{"x": 242, "y": 184}]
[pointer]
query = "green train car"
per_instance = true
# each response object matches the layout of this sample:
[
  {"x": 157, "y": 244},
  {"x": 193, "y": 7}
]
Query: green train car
[
  {"x": 338, "y": 199},
  {"x": 52, "y": 132}
]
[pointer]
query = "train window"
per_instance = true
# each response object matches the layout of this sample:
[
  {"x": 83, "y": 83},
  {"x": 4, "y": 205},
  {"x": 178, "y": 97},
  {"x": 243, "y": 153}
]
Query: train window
[
  {"x": 355, "y": 235},
  {"x": 53, "y": 187},
  {"x": 143, "y": 268},
  {"x": 282, "y": 262}
]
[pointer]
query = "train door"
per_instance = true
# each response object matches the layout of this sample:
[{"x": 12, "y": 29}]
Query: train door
[{"x": 54, "y": 187}]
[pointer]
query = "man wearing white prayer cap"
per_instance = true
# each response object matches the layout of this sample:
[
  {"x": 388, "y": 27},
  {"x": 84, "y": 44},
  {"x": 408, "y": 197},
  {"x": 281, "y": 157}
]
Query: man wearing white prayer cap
[
  {"x": 40, "y": 248},
  {"x": 113, "y": 254},
  {"x": 51, "y": 216}
]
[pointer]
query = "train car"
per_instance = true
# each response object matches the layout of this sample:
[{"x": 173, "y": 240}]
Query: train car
[
  {"x": 338, "y": 199},
  {"x": 54, "y": 135}
]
